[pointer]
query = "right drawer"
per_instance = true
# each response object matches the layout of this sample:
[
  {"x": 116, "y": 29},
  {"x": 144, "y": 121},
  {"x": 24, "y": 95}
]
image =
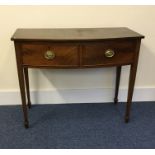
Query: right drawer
[{"x": 108, "y": 53}]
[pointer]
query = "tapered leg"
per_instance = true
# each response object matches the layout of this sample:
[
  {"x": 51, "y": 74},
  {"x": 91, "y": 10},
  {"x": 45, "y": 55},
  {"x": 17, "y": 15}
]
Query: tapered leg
[
  {"x": 132, "y": 77},
  {"x": 21, "y": 82},
  {"x": 23, "y": 96},
  {"x": 118, "y": 73},
  {"x": 27, "y": 87}
]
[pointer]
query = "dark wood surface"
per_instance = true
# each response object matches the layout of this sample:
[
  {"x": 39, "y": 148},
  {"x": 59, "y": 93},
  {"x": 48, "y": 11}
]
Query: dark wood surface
[
  {"x": 118, "y": 74},
  {"x": 94, "y": 53},
  {"x": 76, "y": 48},
  {"x": 66, "y": 55},
  {"x": 27, "y": 87},
  {"x": 75, "y": 34},
  {"x": 76, "y": 55},
  {"x": 132, "y": 77},
  {"x": 21, "y": 84}
]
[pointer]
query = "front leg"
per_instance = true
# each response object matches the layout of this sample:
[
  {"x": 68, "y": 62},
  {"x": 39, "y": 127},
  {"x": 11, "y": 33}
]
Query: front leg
[
  {"x": 20, "y": 72},
  {"x": 132, "y": 77},
  {"x": 23, "y": 96},
  {"x": 130, "y": 91}
]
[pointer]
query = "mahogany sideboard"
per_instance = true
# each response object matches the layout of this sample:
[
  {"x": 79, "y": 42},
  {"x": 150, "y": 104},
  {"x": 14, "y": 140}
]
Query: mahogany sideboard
[{"x": 76, "y": 48}]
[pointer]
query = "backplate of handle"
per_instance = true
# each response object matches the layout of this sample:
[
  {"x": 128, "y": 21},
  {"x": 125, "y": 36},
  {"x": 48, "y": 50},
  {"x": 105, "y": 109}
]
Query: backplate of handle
[
  {"x": 49, "y": 55},
  {"x": 109, "y": 53}
]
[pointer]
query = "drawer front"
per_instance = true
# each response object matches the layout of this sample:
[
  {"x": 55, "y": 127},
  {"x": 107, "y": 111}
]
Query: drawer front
[
  {"x": 54, "y": 55},
  {"x": 108, "y": 53}
]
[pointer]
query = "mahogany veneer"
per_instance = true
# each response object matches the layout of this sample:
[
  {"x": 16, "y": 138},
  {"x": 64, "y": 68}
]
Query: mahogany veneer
[{"x": 76, "y": 48}]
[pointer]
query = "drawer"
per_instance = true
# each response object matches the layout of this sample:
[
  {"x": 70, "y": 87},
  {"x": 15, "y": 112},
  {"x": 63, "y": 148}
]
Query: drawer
[
  {"x": 108, "y": 53},
  {"x": 54, "y": 55}
]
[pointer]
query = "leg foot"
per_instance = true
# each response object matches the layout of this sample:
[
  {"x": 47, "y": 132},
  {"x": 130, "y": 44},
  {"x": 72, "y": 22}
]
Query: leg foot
[
  {"x": 115, "y": 100},
  {"x": 126, "y": 119},
  {"x": 26, "y": 124},
  {"x": 29, "y": 105}
]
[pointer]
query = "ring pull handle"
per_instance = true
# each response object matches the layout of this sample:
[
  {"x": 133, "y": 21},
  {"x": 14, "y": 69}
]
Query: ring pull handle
[
  {"x": 109, "y": 53},
  {"x": 49, "y": 55}
]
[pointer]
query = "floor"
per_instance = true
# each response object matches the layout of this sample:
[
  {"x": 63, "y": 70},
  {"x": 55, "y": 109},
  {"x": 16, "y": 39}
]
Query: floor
[{"x": 78, "y": 126}]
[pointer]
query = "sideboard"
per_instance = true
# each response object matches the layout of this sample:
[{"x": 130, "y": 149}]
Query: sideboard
[{"x": 76, "y": 48}]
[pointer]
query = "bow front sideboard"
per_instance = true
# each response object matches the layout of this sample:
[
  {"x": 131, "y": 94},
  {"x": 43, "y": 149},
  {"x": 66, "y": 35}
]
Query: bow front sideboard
[{"x": 76, "y": 48}]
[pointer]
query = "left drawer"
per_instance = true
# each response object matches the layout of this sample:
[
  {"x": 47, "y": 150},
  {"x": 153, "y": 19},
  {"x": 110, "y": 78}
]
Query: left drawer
[{"x": 50, "y": 54}]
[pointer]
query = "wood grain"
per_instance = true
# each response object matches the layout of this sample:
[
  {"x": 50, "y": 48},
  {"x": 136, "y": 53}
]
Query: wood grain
[
  {"x": 94, "y": 53},
  {"x": 76, "y": 48},
  {"x": 74, "y": 34},
  {"x": 65, "y": 55}
]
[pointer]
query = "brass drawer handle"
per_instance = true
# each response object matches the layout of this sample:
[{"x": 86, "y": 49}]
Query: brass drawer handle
[
  {"x": 109, "y": 53},
  {"x": 49, "y": 55}
]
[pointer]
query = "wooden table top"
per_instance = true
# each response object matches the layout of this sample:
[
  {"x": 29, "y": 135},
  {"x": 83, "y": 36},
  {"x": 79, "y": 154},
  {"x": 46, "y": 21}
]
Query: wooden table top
[{"x": 69, "y": 34}]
